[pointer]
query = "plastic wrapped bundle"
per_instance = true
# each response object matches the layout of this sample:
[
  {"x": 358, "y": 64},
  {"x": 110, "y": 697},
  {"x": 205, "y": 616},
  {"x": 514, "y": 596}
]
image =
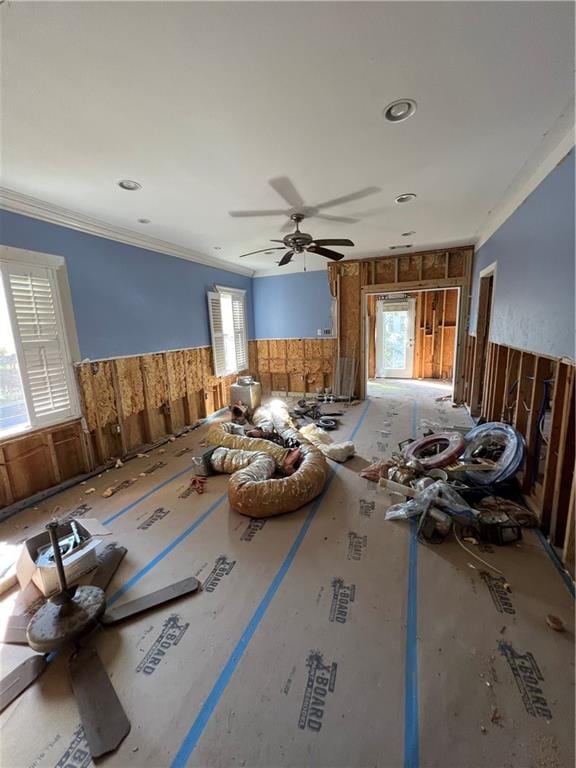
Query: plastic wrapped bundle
[{"x": 499, "y": 442}]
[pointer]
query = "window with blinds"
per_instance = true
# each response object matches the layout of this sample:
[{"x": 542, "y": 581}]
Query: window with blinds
[
  {"x": 228, "y": 328},
  {"x": 39, "y": 388}
]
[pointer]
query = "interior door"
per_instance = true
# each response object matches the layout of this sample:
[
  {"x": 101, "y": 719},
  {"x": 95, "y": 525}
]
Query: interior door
[{"x": 395, "y": 338}]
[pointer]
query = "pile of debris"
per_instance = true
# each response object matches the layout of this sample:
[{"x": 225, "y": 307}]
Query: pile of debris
[{"x": 461, "y": 483}]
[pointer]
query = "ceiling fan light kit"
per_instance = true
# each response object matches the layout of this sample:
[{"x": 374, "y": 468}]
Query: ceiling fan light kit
[{"x": 302, "y": 242}]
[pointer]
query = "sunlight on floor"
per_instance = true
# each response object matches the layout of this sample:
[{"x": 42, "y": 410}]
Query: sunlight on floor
[{"x": 380, "y": 387}]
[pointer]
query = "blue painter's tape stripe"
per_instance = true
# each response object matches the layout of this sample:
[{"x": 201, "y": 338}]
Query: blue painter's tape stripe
[
  {"x": 411, "y": 709},
  {"x": 156, "y": 488},
  {"x": 192, "y": 737},
  {"x": 166, "y": 551},
  {"x": 411, "y": 719},
  {"x": 559, "y": 565}
]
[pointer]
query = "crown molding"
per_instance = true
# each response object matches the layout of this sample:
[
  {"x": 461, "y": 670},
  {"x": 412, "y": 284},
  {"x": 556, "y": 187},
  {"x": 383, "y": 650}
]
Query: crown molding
[
  {"x": 16, "y": 202},
  {"x": 554, "y": 145}
]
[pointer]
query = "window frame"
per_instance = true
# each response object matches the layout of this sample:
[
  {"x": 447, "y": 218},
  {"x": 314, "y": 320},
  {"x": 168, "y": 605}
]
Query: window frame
[
  {"x": 238, "y": 293},
  {"x": 68, "y": 341}
]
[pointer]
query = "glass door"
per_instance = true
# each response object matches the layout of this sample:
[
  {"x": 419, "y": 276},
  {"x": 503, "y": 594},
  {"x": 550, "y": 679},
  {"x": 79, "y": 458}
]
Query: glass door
[{"x": 395, "y": 338}]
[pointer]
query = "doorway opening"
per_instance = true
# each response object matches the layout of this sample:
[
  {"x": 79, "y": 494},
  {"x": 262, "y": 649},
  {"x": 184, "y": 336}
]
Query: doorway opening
[
  {"x": 485, "y": 293},
  {"x": 412, "y": 336}
]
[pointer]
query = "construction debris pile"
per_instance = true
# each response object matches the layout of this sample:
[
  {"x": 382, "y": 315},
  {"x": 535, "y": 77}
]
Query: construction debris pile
[{"x": 457, "y": 482}]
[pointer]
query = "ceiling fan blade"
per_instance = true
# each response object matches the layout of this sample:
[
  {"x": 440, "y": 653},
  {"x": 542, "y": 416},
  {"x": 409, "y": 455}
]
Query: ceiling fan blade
[
  {"x": 341, "y": 219},
  {"x": 276, "y": 241},
  {"x": 103, "y": 718},
  {"x": 144, "y": 603},
  {"x": 262, "y": 250},
  {"x": 325, "y": 252},
  {"x": 287, "y": 191},
  {"x": 15, "y": 629},
  {"x": 246, "y": 214},
  {"x": 286, "y": 259},
  {"x": 20, "y": 678},
  {"x": 108, "y": 565},
  {"x": 366, "y": 192},
  {"x": 333, "y": 241},
  {"x": 288, "y": 226}
]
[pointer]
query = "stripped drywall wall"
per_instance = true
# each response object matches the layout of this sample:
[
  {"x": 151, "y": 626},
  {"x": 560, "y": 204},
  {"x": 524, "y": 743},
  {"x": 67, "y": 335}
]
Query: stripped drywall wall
[
  {"x": 533, "y": 303},
  {"x": 127, "y": 300},
  {"x": 291, "y": 306}
]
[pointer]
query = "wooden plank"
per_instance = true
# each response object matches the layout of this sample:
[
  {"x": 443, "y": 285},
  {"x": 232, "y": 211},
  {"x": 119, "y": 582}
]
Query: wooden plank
[
  {"x": 524, "y": 392},
  {"x": 569, "y": 541},
  {"x": 562, "y": 385},
  {"x": 7, "y": 492},
  {"x": 542, "y": 371},
  {"x": 119, "y": 407},
  {"x": 564, "y": 467}
]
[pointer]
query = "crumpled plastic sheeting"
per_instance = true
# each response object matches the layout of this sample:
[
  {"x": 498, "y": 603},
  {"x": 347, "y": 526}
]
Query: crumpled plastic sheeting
[
  {"x": 251, "y": 495},
  {"x": 335, "y": 451},
  {"x": 440, "y": 495},
  {"x": 220, "y": 434}
]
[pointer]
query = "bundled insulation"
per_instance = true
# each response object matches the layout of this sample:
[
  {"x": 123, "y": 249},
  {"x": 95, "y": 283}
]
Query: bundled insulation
[
  {"x": 251, "y": 492},
  {"x": 231, "y": 435}
]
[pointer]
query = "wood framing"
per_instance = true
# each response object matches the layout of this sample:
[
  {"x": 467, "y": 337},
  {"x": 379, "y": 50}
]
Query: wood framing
[
  {"x": 352, "y": 281},
  {"x": 34, "y": 461},
  {"x": 293, "y": 365},
  {"x": 535, "y": 393}
]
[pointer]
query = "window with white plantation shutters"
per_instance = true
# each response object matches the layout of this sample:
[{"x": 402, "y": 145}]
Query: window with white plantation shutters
[
  {"x": 217, "y": 331},
  {"x": 240, "y": 341},
  {"x": 228, "y": 329},
  {"x": 37, "y": 326}
]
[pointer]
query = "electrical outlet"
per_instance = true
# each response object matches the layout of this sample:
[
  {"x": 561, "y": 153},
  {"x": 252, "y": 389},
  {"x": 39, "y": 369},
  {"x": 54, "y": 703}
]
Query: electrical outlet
[{"x": 324, "y": 332}]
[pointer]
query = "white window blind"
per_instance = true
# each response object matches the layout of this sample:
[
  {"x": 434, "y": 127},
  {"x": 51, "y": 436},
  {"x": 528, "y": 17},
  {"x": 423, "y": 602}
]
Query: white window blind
[
  {"x": 228, "y": 329},
  {"x": 37, "y": 326}
]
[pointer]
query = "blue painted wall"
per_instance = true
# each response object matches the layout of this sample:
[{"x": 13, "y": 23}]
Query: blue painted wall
[
  {"x": 127, "y": 300},
  {"x": 292, "y": 306},
  {"x": 533, "y": 304}
]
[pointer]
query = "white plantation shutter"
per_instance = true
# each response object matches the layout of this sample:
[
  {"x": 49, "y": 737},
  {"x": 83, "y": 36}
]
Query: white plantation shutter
[
  {"x": 37, "y": 325},
  {"x": 217, "y": 331},
  {"x": 228, "y": 328},
  {"x": 239, "y": 320}
]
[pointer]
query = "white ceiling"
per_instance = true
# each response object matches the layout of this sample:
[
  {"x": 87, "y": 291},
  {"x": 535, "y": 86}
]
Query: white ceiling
[{"x": 203, "y": 103}]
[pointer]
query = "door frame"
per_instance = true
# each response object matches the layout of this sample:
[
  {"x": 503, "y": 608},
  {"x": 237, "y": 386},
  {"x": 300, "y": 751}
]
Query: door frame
[
  {"x": 486, "y": 287},
  {"x": 409, "y": 303},
  {"x": 462, "y": 316}
]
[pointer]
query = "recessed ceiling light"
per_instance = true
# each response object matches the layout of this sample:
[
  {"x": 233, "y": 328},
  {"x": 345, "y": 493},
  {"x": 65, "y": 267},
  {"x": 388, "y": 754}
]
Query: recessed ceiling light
[
  {"x": 131, "y": 186},
  {"x": 400, "y": 110},
  {"x": 407, "y": 234},
  {"x": 407, "y": 197},
  {"x": 143, "y": 221}
]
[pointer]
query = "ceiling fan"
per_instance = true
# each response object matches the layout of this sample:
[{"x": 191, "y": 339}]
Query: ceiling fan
[
  {"x": 64, "y": 622},
  {"x": 302, "y": 242},
  {"x": 288, "y": 192}
]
